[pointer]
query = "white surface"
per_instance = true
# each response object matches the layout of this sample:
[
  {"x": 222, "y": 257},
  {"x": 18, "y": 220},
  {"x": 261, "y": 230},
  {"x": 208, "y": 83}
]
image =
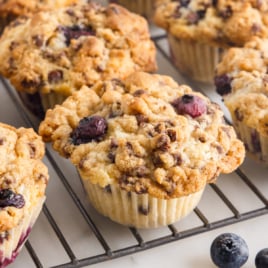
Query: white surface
[{"x": 190, "y": 252}]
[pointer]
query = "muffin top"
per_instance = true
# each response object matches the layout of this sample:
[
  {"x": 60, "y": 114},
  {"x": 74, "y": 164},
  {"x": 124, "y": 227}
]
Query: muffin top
[
  {"x": 11, "y": 9},
  {"x": 23, "y": 176},
  {"x": 216, "y": 22},
  {"x": 241, "y": 78},
  {"x": 62, "y": 50},
  {"x": 147, "y": 133}
]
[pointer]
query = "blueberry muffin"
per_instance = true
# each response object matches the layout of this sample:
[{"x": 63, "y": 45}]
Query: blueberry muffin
[
  {"x": 242, "y": 80},
  {"x": 199, "y": 31},
  {"x": 12, "y": 9},
  {"x": 54, "y": 53},
  {"x": 145, "y": 147},
  {"x": 23, "y": 180}
]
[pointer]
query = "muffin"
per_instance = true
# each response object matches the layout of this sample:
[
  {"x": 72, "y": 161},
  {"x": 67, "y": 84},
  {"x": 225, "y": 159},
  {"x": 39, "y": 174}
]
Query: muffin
[
  {"x": 200, "y": 31},
  {"x": 242, "y": 80},
  {"x": 54, "y": 53},
  {"x": 23, "y": 183},
  {"x": 12, "y": 9},
  {"x": 144, "y": 147},
  {"x": 142, "y": 7}
]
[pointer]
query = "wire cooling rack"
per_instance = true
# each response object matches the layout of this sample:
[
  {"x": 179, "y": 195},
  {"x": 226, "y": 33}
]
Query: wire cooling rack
[{"x": 81, "y": 237}]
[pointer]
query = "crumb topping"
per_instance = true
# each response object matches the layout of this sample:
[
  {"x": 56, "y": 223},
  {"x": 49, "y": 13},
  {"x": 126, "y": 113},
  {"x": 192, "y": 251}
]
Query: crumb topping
[
  {"x": 23, "y": 177},
  {"x": 63, "y": 49},
  {"x": 221, "y": 22},
  {"x": 144, "y": 143}
]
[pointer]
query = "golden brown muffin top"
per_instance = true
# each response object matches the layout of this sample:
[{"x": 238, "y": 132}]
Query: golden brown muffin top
[
  {"x": 216, "y": 22},
  {"x": 147, "y": 133},
  {"x": 62, "y": 50},
  {"x": 23, "y": 176}
]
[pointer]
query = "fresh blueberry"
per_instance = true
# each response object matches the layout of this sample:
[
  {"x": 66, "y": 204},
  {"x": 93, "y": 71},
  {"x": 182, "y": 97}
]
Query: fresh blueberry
[
  {"x": 261, "y": 259},
  {"x": 89, "y": 128},
  {"x": 223, "y": 84},
  {"x": 229, "y": 250},
  {"x": 190, "y": 104},
  {"x": 9, "y": 199}
]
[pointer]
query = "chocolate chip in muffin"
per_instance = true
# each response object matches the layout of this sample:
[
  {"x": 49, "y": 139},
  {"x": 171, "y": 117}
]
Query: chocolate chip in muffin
[
  {"x": 38, "y": 40},
  {"x": 144, "y": 211},
  {"x": 55, "y": 76},
  {"x": 226, "y": 13},
  {"x": 10, "y": 199},
  {"x": 89, "y": 129}
]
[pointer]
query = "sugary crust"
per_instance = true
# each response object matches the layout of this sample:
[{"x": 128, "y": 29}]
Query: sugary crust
[
  {"x": 64, "y": 49},
  {"x": 246, "y": 68},
  {"x": 148, "y": 147},
  {"x": 223, "y": 23},
  {"x": 21, "y": 171},
  {"x": 12, "y": 9}
]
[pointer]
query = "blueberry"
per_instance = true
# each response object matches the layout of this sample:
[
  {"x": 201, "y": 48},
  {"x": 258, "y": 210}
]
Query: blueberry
[
  {"x": 75, "y": 32},
  {"x": 223, "y": 84},
  {"x": 89, "y": 128},
  {"x": 261, "y": 259},
  {"x": 9, "y": 199},
  {"x": 191, "y": 105},
  {"x": 229, "y": 250}
]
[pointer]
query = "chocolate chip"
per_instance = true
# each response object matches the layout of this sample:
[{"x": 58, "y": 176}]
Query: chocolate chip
[
  {"x": 163, "y": 143},
  {"x": 184, "y": 3},
  {"x": 256, "y": 28},
  {"x": 172, "y": 134},
  {"x": 32, "y": 150},
  {"x": 55, "y": 76},
  {"x": 107, "y": 189},
  {"x": 141, "y": 119},
  {"x": 177, "y": 159},
  {"x": 139, "y": 92},
  {"x": 226, "y": 13},
  {"x": 2, "y": 141},
  {"x": 144, "y": 211},
  {"x": 38, "y": 40}
]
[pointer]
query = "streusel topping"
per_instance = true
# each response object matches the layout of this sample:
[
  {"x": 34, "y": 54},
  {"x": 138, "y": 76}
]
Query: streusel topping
[{"x": 146, "y": 133}]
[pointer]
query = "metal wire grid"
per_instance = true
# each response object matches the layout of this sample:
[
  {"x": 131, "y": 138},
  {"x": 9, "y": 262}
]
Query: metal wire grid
[{"x": 141, "y": 244}]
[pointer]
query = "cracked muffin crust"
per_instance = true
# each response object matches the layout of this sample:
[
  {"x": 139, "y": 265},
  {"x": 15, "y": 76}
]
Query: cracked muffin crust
[
  {"x": 147, "y": 137},
  {"x": 205, "y": 28},
  {"x": 56, "y": 52},
  {"x": 144, "y": 135},
  {"x": 23, "y": 181},
  {"x": 12, "y": 9},
  {"x": 241, "y": 78}
]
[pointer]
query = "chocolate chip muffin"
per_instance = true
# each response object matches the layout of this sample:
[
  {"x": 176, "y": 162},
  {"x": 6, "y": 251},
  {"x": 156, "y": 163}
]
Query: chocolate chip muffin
[
  {"x": 199, "y": 31},
  {"x": 54, "y": 53},
  {"x": 145, "y": 147},
  {"x": 242, "y": 80},
  {"x": 12, "y": 9},
  {"x": 23, "y": 180}
]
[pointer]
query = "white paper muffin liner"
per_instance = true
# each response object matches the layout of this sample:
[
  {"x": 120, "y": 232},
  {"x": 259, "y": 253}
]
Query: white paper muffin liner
[
  {"x": 139, "y": 210},
  {"x": 141, "y": 7},
  {"x": 51, "y": 99},
  {"x": 14, "y": 239},
  {"x": 256, "y": 144},
  {"x": 197, "y": 61}
]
